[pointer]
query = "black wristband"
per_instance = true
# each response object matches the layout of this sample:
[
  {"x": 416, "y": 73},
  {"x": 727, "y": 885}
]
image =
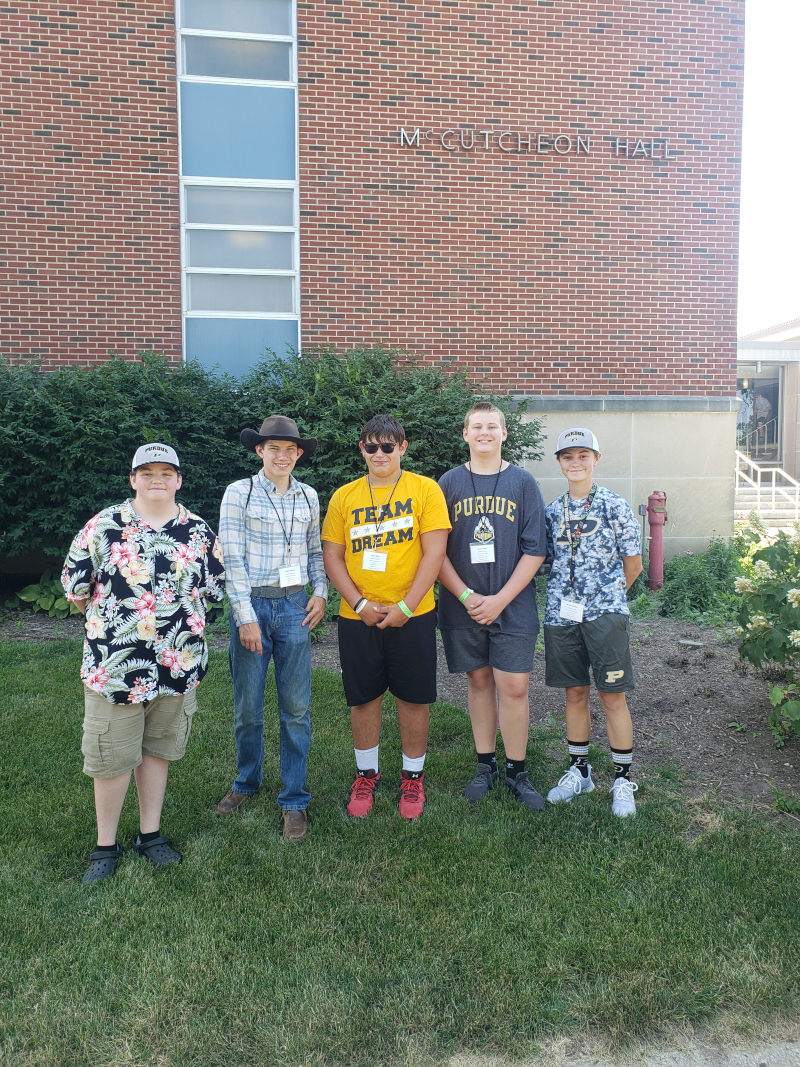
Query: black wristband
[{"x": 359, "y": 605}]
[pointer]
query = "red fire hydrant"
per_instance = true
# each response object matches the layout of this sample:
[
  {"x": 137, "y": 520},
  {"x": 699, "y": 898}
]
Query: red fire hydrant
[{"x": 656, "y": 516}]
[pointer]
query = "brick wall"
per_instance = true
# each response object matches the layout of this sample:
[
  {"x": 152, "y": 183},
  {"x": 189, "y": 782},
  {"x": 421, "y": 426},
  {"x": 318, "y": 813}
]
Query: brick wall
[
  {"x": 89, "y": 143},
  {"x": 547, "y": 273}
]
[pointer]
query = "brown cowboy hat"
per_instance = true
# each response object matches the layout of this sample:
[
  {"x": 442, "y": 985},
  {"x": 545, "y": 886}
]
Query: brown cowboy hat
[{"x": 279, "y": 428}]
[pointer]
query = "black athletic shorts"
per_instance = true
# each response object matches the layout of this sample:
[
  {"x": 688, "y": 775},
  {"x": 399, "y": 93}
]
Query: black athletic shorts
[
  {"x": 401, "y": 659},
  {"x": 603, "y": 642}
]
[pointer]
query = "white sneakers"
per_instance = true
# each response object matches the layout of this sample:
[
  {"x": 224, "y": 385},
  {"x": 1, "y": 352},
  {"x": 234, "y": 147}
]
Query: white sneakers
[
  {"x": 573, "y": 784},
  {"x": 622, "y": 803},
  {"x": 570, "y": 785}
]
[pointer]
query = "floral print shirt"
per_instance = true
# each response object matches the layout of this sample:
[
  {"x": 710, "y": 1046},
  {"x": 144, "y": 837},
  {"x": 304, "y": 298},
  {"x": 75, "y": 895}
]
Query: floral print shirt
[{"x": 146, "y": 615}]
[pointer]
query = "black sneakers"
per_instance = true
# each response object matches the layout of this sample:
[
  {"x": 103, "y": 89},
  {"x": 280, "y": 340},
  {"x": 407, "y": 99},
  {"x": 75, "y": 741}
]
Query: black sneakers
[
  {"x": 484, "y": 780},
  {"x": 522, "y": 790}
]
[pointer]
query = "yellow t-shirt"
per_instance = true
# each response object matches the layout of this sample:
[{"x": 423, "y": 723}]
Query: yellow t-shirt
[{"x": 390, "y": 522}]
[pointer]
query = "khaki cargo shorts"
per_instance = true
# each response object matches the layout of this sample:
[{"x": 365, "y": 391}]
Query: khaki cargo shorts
[{"x": 116, "y": 736}]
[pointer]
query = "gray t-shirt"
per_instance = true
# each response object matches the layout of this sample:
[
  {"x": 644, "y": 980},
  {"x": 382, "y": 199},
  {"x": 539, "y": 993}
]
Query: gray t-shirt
[{"x": 511, "y": 518}]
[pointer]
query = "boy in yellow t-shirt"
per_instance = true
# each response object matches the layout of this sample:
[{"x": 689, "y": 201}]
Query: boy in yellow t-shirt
[{"x": 383, "y": 542}]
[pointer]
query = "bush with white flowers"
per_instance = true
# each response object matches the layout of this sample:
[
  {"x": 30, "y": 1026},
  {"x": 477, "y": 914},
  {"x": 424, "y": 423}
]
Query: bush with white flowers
[{"x": 770, "y": 620}]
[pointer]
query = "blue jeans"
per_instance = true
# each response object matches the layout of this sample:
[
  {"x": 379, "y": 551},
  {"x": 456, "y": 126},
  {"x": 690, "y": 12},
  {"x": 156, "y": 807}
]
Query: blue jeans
[{"x": 288, "y": 643}]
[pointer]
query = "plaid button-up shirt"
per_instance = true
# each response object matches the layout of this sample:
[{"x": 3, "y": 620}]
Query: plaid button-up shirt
[{"x": 254, "y": 545}]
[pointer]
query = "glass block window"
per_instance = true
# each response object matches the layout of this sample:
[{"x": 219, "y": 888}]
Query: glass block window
[
  {"x": 237, "y": 68},
  {"x": 243, "y": 249},
  {"x": 239, "y": 206},
  {"x": 273, "y": 17},
  {"x": 228, "y": 57}
]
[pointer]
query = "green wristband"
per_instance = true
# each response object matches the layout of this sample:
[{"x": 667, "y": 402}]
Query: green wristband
[
  {"x": 467, "y": 592},
  {"x": 405, "y": 609}
]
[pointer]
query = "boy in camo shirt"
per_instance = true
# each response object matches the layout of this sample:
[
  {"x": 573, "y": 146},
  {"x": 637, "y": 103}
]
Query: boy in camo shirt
[{"x": 594, "y": 549}]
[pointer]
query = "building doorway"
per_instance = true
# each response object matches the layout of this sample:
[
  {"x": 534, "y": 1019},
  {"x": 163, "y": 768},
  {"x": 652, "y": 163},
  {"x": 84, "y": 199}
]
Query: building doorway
[{"x": 759, "y": 426}]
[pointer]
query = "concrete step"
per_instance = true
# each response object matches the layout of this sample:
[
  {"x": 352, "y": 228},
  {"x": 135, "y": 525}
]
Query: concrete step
[
  {"x": 781, "y": 506},
  {"x": 769, "y": 517},
  {"x": 778, "y": 513},
  {"x": 766, "y": 494}
]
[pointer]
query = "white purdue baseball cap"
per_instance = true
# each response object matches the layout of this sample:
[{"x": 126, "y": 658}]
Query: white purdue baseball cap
[
  {"x": 155, "y": 453},
  {"x": 577, "y": 437}
]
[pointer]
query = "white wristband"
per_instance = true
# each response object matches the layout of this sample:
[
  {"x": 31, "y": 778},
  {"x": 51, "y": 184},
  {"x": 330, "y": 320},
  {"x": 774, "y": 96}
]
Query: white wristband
[{"x": 362, "y": 603}]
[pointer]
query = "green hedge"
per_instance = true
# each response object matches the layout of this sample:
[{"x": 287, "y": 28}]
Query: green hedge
[
  {"x": 67, "y": 436},
  {"x": 701, "y": 583}
]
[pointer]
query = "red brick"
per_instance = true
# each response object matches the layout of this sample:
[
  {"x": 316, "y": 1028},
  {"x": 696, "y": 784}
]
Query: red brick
[
  {"x": 589, "y": 277},
  {"x": 89, "y": 140}
]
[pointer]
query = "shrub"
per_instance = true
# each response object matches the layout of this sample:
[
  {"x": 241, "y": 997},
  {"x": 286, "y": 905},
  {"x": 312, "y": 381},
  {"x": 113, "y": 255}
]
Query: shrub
[
  {"x": 331, "y": 396},
  {"x": 45, "y": 595},
  {"x": 698, "y": 584},
  {"x": 770, "y": 621},
  {"x": 67, "y": 436}
]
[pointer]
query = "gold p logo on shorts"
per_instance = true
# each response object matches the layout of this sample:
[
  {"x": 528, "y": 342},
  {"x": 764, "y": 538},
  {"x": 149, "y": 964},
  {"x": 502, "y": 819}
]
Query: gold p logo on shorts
[{"x": 614, "y": 676}]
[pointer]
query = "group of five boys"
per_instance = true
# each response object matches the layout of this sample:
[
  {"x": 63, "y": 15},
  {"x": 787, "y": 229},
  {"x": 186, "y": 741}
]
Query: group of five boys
[{"x": 142, "y": 572}]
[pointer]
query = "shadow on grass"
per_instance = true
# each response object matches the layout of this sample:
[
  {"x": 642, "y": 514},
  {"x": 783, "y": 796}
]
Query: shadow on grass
[{"x": 481, "y": 928}]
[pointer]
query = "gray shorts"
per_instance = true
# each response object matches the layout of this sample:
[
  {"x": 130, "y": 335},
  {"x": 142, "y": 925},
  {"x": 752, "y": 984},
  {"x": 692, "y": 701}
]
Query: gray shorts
[
  {"x": 488, "y": 646},
  {"x": 603, "y": 642}
]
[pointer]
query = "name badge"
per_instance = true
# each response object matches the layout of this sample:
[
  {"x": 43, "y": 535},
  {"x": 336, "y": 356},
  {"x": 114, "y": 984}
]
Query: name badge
[
  {"x": 290, "y": 576},
  {"x": 572, "y": 610},
  {"x": 373, "y": 560},
  {"x": 481, "y": 553}
]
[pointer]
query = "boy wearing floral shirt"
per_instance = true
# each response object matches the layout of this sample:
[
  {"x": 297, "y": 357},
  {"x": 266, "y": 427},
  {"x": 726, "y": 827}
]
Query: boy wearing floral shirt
[{"x": 141, "y": 572}]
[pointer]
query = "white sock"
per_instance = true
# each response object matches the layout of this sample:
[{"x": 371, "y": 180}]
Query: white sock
[
  {"x": 414, "y": 764},
  {"x": 367, "y": 759}
]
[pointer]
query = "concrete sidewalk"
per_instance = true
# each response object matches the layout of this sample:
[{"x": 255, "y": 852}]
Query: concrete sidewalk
[{"x": 693, "y": 1054}]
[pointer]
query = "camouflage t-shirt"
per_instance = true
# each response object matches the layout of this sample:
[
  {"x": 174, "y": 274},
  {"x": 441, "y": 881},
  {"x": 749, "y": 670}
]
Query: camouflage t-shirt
[{"x": 611, "y": 533}]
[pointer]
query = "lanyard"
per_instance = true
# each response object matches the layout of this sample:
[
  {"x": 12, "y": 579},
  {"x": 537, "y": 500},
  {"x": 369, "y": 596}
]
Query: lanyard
[
  {"x": 280, "y": 520},
  {"x": 497, "y": 479},
  {"x": 385, "y": 504},
  {"x": 580, "y": 526}
]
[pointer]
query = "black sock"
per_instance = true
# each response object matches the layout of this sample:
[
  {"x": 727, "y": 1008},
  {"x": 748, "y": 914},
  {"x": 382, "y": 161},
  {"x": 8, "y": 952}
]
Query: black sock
[
  {"x": 490, "y": 759},
  {"x": 622, "y": 758},
  {"x": 579, "y": 756},
  {"x": 144, "y": 838},
  {"x": 108, "y": 848},
  {"x": 514, "y": 767}
]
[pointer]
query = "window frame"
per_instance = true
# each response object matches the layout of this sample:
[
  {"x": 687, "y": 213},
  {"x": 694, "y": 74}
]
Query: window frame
[
  {"x": 190, "y": 180},
  {"x": 217, "y": 79}
]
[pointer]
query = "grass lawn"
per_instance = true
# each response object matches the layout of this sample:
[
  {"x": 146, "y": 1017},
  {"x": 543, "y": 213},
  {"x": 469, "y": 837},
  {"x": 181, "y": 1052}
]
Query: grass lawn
[{"x": 482, "y": 928}]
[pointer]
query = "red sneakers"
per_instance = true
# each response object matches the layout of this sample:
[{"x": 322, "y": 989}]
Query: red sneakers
[
  {"x": 362, "y": 795},
  {"x": 412, "y": 796}
]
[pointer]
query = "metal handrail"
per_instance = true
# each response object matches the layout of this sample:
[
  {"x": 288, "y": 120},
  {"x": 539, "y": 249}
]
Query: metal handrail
[
  {"x": 749, "y": 437},
  {"x": 756, "y": 480}
]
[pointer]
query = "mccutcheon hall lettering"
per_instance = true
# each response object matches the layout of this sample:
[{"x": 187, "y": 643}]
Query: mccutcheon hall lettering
[{"x": 561, "y": 144}]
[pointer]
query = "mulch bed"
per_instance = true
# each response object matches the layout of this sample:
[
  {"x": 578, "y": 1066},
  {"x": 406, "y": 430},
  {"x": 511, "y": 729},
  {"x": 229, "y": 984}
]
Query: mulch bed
[{"x": 690, "y": 686}]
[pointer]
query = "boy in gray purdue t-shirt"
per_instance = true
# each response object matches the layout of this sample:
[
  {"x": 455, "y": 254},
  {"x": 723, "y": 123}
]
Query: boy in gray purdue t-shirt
[{"x": 487, "y": 599}]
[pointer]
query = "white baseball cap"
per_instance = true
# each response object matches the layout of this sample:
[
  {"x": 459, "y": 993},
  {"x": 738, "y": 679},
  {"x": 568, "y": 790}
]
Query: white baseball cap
[
  {"x": 577, "y": 437},
  {"x": 155, "y": 453}
]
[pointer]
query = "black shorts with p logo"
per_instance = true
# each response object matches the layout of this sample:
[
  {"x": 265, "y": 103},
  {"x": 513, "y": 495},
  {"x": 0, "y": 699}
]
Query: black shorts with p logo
[{"x": 604, "y": 643}]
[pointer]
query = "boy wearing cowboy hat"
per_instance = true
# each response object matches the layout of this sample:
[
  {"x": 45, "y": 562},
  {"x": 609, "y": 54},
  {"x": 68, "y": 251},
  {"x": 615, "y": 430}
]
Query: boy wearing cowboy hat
[{"x": 270, "y": 534}]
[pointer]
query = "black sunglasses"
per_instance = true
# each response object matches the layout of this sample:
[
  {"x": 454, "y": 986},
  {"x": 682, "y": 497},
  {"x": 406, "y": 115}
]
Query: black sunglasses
[{"x": 385, "y": 447}]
